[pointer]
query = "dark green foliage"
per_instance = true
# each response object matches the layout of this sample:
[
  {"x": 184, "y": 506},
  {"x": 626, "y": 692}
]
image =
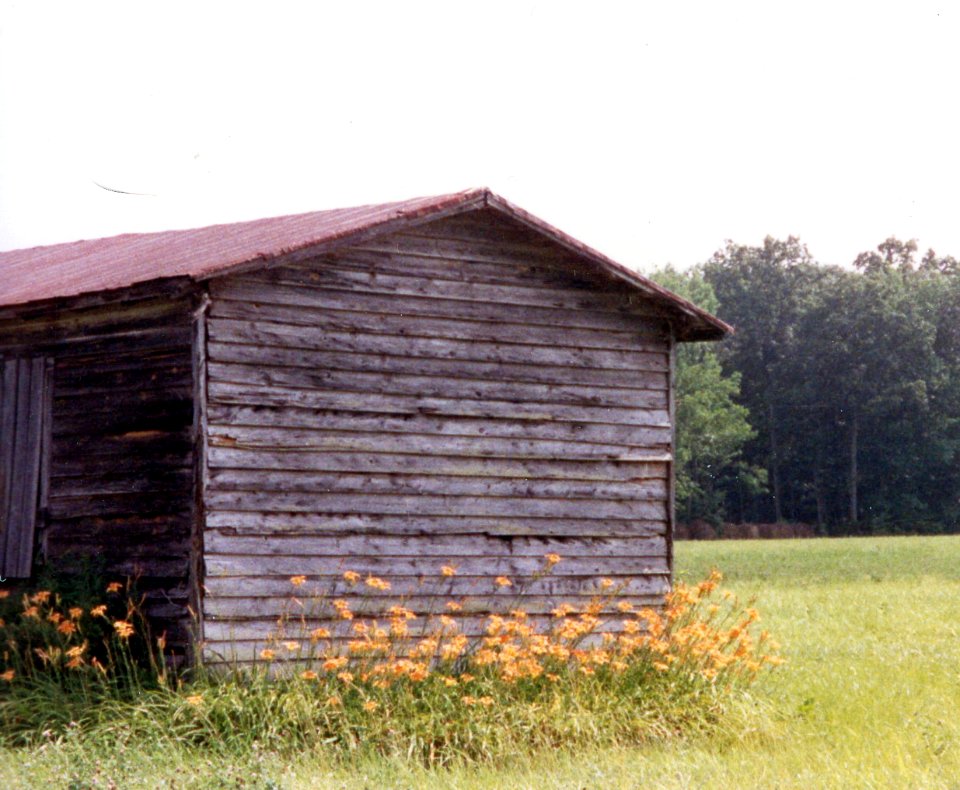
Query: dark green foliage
[
  {"x": 851, "y": 378},
  {"x": 712, "y": 428}
]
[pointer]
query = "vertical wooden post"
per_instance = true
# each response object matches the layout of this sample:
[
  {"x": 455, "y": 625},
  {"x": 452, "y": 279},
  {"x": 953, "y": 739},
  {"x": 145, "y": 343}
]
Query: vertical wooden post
[
  {"x": 672, "y": 479},
  {"x": 46, "y": 442},
  {"x": 8, "y": 422},
  {"x": 199, "y": 430}
]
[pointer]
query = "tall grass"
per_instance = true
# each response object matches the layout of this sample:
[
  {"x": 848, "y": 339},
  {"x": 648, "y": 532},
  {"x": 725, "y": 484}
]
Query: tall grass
[
  {"x": 430, "y": 694},
  {"x": 870, "y": 698}
]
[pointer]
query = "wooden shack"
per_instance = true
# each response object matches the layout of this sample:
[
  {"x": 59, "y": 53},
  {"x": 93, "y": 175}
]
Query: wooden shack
[{"x": 386, "y": 389}]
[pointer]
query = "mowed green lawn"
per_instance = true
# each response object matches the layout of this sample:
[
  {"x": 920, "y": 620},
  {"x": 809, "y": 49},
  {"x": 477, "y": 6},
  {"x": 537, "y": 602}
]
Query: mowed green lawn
[{"x": 870, "y": 696}]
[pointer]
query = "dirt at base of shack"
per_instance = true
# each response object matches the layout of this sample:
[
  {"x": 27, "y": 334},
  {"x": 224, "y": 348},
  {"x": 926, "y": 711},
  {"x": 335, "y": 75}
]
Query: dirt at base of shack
[{"x": 703, "y": 530}]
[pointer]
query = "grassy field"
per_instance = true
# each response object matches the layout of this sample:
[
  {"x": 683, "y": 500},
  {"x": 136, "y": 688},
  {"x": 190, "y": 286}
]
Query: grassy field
[{"x": 870, "y": 696}]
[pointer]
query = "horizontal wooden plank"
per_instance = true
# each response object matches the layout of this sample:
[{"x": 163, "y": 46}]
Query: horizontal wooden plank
[
  {"x": 261, "y": 374},
  {"x": 242, "y": 609},
  {"x": 259, "y": 523},
  {"x": 147, "y": 377},
  {"x": 254, "y": 395},
  {"x": 133, "y": 359},
  {"x": 102, "y": 400},
  {"x": 442, "y": 546},
  {"x": 176, "y": 481},
  {"x": 140, "y": 503},
  {"x": 329, "y": 332},
  {"x": 466, "y": 266},
  {"x": 125, "y": 529},
  {"x": 166, "y": 416},
  {"x": 242, "y": 565},
  {"x": 168, "y": 361},
  {"x": 148, "y": 338},
  {"x": 485, "y": 228},
  {"x": 399, "y": 363},
  {"x": 123, "y": 566},
  {"x": 521, "y": 258},
  {"x": 118, "y": 549},
  {"x": 413, "y": 484},
  {"x": 434, "y": 505},
  {"x": 257, "y": 293},
  {"x": 137, "y": 442},
  {"x": 432, "y": 584},
  {"x": 442, "y": 425},
  {"x": 226, "y": 636},
  {"x": 142, "y": 460},
  {"x": 168, "y": 290},
  {"x": 273, "y": 438},
  {"x": 417, "y": 284},
  {"x": 489, "y": 234},
  {"x": 564, "y": 468},
  {"x": 51, "y": 327}
]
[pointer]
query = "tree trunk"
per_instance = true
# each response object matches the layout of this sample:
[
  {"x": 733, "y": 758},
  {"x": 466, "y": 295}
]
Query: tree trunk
[
  {"x": 775, "y": 464},
  {"x": 818, "y": 492},
  {"x": 740, "y": 497},
  {"x": 854, "y": 437},
  {"x": 818, "y": 483}
]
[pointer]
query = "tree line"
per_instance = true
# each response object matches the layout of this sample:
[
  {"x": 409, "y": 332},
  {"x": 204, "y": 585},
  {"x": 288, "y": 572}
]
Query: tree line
[{"x": 837, "y": 400}]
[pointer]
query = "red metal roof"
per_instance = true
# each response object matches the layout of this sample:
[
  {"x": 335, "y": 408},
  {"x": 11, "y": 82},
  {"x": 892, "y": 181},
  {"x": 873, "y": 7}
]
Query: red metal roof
[{"x": 81, "y": 267}]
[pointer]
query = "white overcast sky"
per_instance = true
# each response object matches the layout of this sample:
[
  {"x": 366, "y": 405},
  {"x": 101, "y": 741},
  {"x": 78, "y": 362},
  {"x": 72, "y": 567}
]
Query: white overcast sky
[{"x": 651, "y": 131}]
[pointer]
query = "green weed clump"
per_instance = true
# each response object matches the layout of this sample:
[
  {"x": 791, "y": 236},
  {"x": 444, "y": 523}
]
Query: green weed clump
[{"x": 396, "y": 684}]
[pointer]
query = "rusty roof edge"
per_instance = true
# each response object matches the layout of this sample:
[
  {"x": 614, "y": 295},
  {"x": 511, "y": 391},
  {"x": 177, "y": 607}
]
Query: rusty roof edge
[
  {"x": 719, "y": 327},
  {"x": 454, "y": 203},
  {"x": 697, "y": 323}
]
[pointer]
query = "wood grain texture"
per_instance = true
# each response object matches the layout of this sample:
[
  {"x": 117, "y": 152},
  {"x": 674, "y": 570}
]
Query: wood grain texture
[
  {"x": 458, "y": 395},
  {"x": 260, "y": 523},
  {"x": 282, "y": 438},
  {"x": 552, "y": 367},
  {"x": 418, "y": 504},
  {"x": 318, "y": 590},
  {"x": 253, "y": 292},
  {"x": 412, "y": 484},
  {"x": 21, "y": 433},
  {"x": 226, "y": 635},
  {"x": 117, "y": 487},
  {"x": 518, "y": 568},
  {"x": 451, "y": 548},
  {"x": 443, "y": 338},
  {"x": 248, "y": 394},
  {"x": 641, "y": 466},
  {"x": 8, "y": 423},
  {"x": 623, "y": 436},
  {"x": 469, "y": 386}
]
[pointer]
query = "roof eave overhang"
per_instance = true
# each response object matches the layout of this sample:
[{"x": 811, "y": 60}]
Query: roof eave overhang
[
  {"x": 458, "y": 203},
  {"x": 690, "y": 322}
]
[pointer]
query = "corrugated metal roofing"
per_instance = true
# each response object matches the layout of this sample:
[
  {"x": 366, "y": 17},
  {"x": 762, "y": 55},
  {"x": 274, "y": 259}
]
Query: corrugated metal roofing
[{"x": 82, "y": 267}]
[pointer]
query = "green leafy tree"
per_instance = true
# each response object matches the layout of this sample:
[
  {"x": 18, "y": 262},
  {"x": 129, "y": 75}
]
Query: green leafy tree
[
  {"x": 763, "y": 292},
  {"x": 711, "y": 427},
  {"x": 852, "y": 380}
]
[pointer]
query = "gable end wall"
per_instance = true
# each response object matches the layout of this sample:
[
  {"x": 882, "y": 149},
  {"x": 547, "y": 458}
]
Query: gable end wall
[{"x": 462, "y": 393}]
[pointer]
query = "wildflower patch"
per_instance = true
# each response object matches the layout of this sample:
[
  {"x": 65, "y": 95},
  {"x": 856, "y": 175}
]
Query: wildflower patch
[{"x": 401, "y": 682}]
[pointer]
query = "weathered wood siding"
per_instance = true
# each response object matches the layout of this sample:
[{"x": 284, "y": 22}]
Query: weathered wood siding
[
  {"x": 463, "y": 393},
  {"x": 119, "y": 483}
]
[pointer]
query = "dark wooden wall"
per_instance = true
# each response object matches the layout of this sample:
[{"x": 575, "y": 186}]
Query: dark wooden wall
[
  {"x": 461, "y": 393},
  {"x": 120, "y": 485}
]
